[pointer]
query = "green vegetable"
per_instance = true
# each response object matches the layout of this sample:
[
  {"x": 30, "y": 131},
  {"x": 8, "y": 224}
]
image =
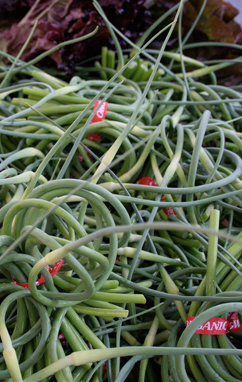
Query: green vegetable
[{"x": 138, "y": 258}]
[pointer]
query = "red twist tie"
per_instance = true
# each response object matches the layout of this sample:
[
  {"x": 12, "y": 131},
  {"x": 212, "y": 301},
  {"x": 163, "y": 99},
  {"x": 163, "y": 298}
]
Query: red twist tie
[
  {"x": 41, "y": 280},
  {"x": 99, "y": 116},
  {"x": 147, "y": 181}
]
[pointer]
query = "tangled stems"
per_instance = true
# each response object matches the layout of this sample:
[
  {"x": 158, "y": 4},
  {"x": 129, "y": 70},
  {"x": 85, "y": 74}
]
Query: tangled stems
[
  {"x": 83, "y": 357},
  {"x": 199, "y": 320},
  {"x": 8, "y": 351},
  {"x": 124, "y": 257}
]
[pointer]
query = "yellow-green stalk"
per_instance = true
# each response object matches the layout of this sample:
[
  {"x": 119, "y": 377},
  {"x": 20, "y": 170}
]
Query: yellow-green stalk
[{"x": 149, "y": 341}]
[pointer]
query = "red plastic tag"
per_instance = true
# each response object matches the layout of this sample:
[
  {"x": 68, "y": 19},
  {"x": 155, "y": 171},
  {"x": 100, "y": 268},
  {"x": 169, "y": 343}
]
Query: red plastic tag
[
  {"x": 169, "y": 211},
  {"x": 25, "y": 285},
  {"x": 234, "y": 322},
  {"x": 104, "y": 369},
  {"x": 81, "y": 157},
  {"x": 216, "y": 326},
  {"x": 63, "y": 341},
  {"x": 101, "y": 113},
  {"x": 147, "y": 181},
  {"x": 94, "y": 137},
  {"x": 212, "y": 326},
  {"x": 91, "y": 137},
  {"x": 41, "y": 280}
]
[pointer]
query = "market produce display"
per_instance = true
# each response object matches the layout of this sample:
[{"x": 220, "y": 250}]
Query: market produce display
[
  {"x": 120, "y": 211},
  {"x": 208, "y": 29}
]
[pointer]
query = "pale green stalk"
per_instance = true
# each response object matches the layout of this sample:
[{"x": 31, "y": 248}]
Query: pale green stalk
[
  {"x": 84, "y": 357},
  {"x": 12, "y": 89},
  {"x": 235, "y": 250},
  {"x": 103, "y": 74},
  {"x": 172, "y": 288},
  {"x": 195, "y": 160},
  {"x": 212, "y": 254},
  {"x": 175, "y": 158},
  {"x": 149, "y": 341},
  {"x": 178, "y": 113},
  {"x": 133, "y": 171},
  {"x": 129, "y": 338},
  {"x": 24, "y": 177},
  {"x": 119, "y": 297},
  {"x": 155, "y": 168},
  {"x": 204, "y": 71},
  {"x": 107, "y": 314},
  {"x": 29, "y": 152},
  {"x": 145, "y": 255}
]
